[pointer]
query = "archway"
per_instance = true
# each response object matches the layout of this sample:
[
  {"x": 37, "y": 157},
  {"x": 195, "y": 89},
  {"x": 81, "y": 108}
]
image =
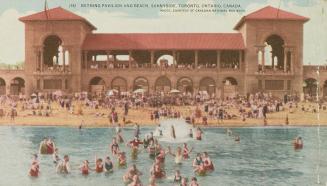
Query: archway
[
  {"x": 97, "y": 85},
  {"x": 274, "y": 52},
  {"x": 53, "y": 53},
  {"x": 2, "y": 87},
  {"x": 17, "y": 86},
  {"x": 119, "y": 83},
  {"x": 141, "y": 83},
  {"x": 208, "y": 84},
  {"x": 230, "y": 87},
  {"x": 185, "y": 84},
  {"x": 162, "y": 84},
  {"x": 310, "y": 87}
]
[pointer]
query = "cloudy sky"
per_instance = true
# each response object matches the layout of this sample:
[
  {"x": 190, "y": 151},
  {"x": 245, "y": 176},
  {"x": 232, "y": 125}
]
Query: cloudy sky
[{"x": 151, "y": 20}]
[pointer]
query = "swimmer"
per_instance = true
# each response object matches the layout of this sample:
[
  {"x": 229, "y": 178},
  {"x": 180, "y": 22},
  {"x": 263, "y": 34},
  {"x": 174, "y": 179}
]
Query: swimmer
[
  {"x": 198, "y": 134},
  {"x": 173, "y": 135},
  {"x": 208, "y": 165},
  {"x": 178, "y": 155},
  {"x": 63, "y": 167},
  {"x": 197, "y": 161},
  {"x": 298, "y": 143},
  {"x": 43, "y": 146},
  {"x": 178, "y": 177},
  {"x": 194, "y": 182},
  {"x": 50, "y": 146},
  {"x": 98, "y": 165},
  {"x": 184, "y": 182},
  {"x": 55, "y": 156},
  {"x": 190, "y": 133},
  {"x": 122, "y": 159},
  {"x": 152, "y": 150},
  {"x": 152, "y": 181},
  {"x": 237, "y": 138},
  {"x": 186, "y": 151},
  {"x": 158, "y": 173},
  {"x": 134, "y": 144},
  {"x": 135, "y": 181},
  {"x": 34, "y": 170},
  {"x": 114, "y": 147},
  {"x": 108, "y": 165},
  {"x": 85, "y": 167},
  {"x": 132, "y": 171}
]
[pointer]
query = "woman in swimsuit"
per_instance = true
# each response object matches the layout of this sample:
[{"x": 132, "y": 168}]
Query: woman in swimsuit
[
  {"x": 108, "y": 165},
  {"x": 208, "y": 165},
  {"x": 98, "y": 165},
  {"x": 114, "y": 147},
  {"x": 85, "y": 168},
  {"x": 122, "y": 160},
  {"x": 178, "y": 155},
  {"x": 34, "y": 170}
]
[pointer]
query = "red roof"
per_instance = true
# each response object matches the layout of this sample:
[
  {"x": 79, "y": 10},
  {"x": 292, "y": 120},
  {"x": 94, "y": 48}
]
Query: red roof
[
  {"x": 270, "y": 13},
  {"x": 164, "y": 41},
  {"x": 55, "y": 14}
]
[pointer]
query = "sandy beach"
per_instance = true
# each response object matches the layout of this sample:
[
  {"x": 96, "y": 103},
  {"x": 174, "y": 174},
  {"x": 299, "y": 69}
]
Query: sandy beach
[{"x": 99, "y": 118}]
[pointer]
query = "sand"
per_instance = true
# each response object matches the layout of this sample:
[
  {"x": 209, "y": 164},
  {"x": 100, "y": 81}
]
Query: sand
[{"x": 61, "y": 117}]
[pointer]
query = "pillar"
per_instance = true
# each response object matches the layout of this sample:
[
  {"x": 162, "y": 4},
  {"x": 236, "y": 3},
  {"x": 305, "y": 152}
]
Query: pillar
[
  {"x": 240, "y": 60},
  {"x": 285, "y": 60},
  {"x": 64, "y": 59},
  {"x": 174, "y": 59},
  {"x": 130, "y": 59},
  {"x": 218, "y": 60},
  {"x": 151, "y": 57},
  {"x": 85, "y": 60},
  {"x": 108, "y": 53},
  {"x": 291, "y": 62},
  {"x": 263, "y": 59},
  {"x": 42, "y": 59},
  {"x": 196, "y": 58}
]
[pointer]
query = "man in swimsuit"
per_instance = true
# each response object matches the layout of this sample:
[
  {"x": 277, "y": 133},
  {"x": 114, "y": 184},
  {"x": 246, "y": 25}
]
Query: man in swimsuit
[
  {"x": 114, "y": 147},
  {"x": 64, "y": 167},
  {"x": 108, "y": 165}
]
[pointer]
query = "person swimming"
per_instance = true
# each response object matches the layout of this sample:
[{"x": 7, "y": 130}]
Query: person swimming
[
  {"x": 178, "y": 155},
  {"x": 186, "y": 151},
  {"x": 157, "y": 172},
  {"x": 177, "y": 177},
  {"x": 114, "y": 147},
  {"x": 208, "y": 165},
  {"x": 34, "y": 170},
  {"x": 132, "y": 171},
  {"x": 190, "y": 133},
  {"x": 55, "y": 156},
  {"x": 298, "y": 143},
  {"x": 108, "y": 165},
  {"x": 122, "y": 160},
  {"x": 63, "y": 167},
  {"x": 85, "y": 167},
  {"x": 98, "y": 165},
  {"x": 198, "y": 134},
  {"x": 173, "y": 134}
]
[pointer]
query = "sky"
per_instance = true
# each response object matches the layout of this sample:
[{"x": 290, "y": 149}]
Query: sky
[{"x": 127, "y": 20}]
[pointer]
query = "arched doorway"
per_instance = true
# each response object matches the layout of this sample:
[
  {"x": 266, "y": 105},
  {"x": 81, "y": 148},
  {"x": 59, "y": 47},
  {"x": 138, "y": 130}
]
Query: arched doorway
[
  {"x": 208, "y": 85},
  {"x": 310, "y": 87},
  {"x": 53, "y": 53},
  {"x": 162, "y": 84},
  {"x": 17, "y": 86},
  {"x": 230, "y": 87},
  {"x": 97, "y": 85},
  {"x": 141, "y": 83},
  {"x": 274, "y": 53},
  {"x": 2, "y": 87},
  {"x": 119, "y": 83},
  {"x": 185, "y": 84}
]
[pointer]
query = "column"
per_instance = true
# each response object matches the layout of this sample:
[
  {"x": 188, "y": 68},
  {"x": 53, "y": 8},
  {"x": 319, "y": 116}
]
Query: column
[
  {"x": 196, "y": 58},
  {"x": 174, "y": 59},
  {"x": 42, "y": 59},
  {"x": 240, "y": 60},
  {"x": 151, "y": 57},
  {"x": 108, "y": 54},
  {"x": 218, "y": 60},
  {"x": 64, "y": 59},
  {"x": 85, "y": 60},
  {"x": 291, "y": 61},
  {"x": 129, "y": 59},
  {"x": 285, "y": 60},
  {"x": 263, "y": 59}
]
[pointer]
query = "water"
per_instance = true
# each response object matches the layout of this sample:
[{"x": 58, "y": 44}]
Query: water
[
  {"x": 182, "y": 131},
  {"x": 265, "y": 156}
]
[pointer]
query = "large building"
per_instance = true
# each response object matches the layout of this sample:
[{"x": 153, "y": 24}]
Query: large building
[{"x": 62, "y": 52}]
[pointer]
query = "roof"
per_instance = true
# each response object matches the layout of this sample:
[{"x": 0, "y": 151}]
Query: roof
[
  {"x": 55, "y": 14},
  {"x": 270, "y": 13},
  {"x": 164, "y": 41}
]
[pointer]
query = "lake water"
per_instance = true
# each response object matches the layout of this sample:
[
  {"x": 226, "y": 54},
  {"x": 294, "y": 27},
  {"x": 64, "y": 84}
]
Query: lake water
[{"x": 265, "y": 156}]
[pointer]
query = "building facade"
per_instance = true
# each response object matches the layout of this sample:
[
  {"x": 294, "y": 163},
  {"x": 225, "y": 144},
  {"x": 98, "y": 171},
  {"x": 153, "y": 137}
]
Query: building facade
[{"x": 62, "y": 52}]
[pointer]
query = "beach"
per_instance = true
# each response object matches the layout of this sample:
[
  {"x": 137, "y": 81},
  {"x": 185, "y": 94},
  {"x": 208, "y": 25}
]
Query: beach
[{"x": 99, "y": 117}]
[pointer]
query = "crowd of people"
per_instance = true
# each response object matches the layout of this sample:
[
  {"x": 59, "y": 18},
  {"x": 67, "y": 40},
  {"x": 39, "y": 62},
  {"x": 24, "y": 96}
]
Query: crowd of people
[{"x": 202, "y": 164}]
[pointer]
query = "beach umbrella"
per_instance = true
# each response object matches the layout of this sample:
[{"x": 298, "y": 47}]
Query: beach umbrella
[
  {"x": 175, "y": 91},
  {"x": 140, "y": 90},
  {"x": 33, "y": 95}
]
